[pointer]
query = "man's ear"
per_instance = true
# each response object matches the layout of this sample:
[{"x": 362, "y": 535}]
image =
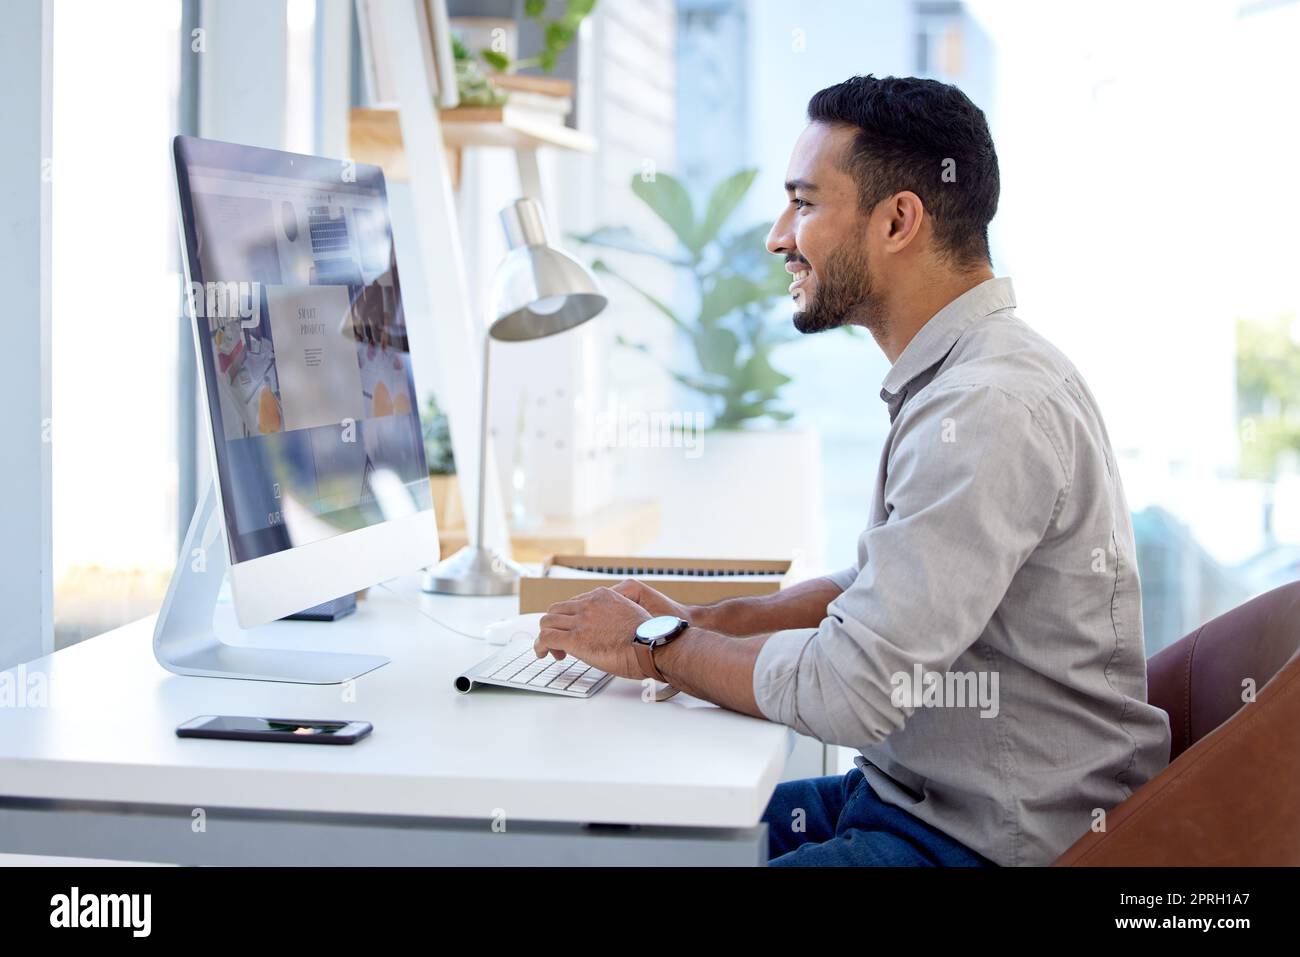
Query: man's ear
[{"x": 904, "y": 213}]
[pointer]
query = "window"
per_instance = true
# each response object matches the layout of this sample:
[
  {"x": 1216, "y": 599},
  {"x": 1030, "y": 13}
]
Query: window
[
  {"x": 124, "y": 418},
  {"x": 115, "y": 313},
  {"x": 1121, "y": 156}
]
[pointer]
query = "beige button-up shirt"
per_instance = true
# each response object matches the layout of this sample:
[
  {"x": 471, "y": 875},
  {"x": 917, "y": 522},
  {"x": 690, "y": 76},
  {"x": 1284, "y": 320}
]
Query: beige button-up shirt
[{"x": 986, "y": 654}]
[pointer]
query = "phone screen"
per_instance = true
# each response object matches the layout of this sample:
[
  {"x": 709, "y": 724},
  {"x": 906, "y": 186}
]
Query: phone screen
[{"x": 265, "y": 725}]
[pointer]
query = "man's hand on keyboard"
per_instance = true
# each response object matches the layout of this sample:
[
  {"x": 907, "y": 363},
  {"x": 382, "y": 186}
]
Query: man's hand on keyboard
[
  {"x": 652, "y": 601},
  {"x": 597, "y": 628}
]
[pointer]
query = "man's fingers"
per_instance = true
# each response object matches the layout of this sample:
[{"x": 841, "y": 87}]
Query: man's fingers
[
  {"x": 641, "y": 594},
  {"x": 629, "y": 587},
  {"x": 549, "y": 641},
  {"x": 572, "y": 606},
  {"x": 557, "y": 620},
  {"x": 623, "y": 599}
]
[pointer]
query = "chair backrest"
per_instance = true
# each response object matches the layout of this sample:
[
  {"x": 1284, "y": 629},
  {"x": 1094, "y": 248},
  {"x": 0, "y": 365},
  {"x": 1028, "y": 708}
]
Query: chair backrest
[
  {"x": 1229, "y": 799},
  {"x": 1200, "y": 679}
]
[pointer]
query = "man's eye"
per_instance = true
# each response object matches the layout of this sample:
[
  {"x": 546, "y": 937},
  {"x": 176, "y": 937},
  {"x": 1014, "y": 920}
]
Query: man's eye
[{"x": 800, "y": 203}]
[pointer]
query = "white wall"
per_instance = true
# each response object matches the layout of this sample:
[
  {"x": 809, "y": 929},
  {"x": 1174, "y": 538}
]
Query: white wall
[{"x": 242, "y": 82}]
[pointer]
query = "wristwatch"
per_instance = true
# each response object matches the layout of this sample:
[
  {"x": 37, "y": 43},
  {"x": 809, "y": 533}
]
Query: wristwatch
[{"x": 655, "y": 633}]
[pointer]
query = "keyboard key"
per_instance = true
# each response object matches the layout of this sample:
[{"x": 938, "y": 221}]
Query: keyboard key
[
  {"x": 510, "y": 669},
  {"x": 546, "y": 677},
  {"x": 530, "y": 672},
  {"x": 568, "y": 676}
]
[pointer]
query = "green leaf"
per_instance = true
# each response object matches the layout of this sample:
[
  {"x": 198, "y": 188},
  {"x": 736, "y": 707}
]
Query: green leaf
[
  {"x": 724, "y": 199},
  {"x": 668, "y": 199},
  {"x": 757, "y": 375},
  {"x": 716, "y": 387},
  {"x": 727, "y": 294},
  {"x": 716, "y": 349},
  {"x": 558, "y": 35},
  {"x": 578, "y": 10},
  {"x": 746, "y": 251},
  {"x": 734, "y": 416},
  {"x": 498, "y": 61},
  {"x": 534, "y": 8}
]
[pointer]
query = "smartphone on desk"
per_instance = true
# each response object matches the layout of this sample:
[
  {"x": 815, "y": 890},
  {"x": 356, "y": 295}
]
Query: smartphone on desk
[{"x": 240, "y": 728}]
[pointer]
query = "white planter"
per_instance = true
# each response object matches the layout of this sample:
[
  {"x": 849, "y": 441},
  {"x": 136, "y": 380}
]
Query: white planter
[{"x": 733, "y": 495}]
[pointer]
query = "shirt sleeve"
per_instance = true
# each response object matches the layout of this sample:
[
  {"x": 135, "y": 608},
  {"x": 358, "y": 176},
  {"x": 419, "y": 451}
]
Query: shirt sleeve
[
  {"x": 844, "y": 577},
  {"x": 973, "y": 483}
]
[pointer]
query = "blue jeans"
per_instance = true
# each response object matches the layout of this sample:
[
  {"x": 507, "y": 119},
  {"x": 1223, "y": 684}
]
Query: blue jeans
[{"x": 844, "y": 824}]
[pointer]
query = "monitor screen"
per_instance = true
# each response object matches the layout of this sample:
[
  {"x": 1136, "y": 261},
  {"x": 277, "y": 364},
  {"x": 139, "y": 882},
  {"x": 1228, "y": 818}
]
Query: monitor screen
[{"x": 300, "y": 330}]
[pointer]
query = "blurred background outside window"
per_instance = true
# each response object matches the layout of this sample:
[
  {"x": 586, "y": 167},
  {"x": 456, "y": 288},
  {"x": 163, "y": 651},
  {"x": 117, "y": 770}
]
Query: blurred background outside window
[{"x": 1147, "y": 220}]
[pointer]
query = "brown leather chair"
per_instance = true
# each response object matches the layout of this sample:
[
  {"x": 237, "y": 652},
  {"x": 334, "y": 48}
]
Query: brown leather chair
[{"x": 1231, "y": 793}]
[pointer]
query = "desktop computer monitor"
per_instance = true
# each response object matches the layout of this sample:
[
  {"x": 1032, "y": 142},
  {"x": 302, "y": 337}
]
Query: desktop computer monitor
[{"x": 317, "y": 451}]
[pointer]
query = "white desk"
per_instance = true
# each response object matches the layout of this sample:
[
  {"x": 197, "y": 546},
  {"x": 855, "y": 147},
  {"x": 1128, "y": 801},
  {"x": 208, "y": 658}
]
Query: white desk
[{"x": 99, "y": 772}]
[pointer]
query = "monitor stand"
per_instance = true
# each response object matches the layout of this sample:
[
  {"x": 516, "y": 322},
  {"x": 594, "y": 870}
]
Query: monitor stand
[{"x": 185, "y": 642}]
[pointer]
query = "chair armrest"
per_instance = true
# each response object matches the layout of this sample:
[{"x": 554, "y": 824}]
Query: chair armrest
[{"x": 1231, "y": 799}]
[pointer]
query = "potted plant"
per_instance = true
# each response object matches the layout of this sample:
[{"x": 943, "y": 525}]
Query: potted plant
[
  {"x": 736, "y": 282},
  {"x": 486, "y": 47},
  {"x": 443, "y": 486},
  {"x": 733, "y": 338}
]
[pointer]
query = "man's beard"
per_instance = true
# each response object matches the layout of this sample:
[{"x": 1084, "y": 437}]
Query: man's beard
[{"x": 845, "y": 294}]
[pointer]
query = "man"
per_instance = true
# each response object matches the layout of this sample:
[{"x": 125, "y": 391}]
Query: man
[{"x": 999, "y": 558}]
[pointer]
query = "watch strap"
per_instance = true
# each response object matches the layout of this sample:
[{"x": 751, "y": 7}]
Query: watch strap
[
  {"x": 666, "y": 692},
  {"x": 646, "y": 659}
]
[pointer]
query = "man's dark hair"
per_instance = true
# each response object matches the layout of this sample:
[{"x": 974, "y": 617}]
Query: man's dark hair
[{"x": 926, "y": 137}]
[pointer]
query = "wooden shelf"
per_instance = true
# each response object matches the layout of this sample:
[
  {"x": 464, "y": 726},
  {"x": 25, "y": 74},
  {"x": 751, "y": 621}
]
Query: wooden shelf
[{"x": 375, "y": 136}]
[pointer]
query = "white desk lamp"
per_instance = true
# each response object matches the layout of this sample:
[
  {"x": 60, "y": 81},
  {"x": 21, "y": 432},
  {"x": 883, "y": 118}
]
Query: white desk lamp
[{"x": 537, "y": 291}]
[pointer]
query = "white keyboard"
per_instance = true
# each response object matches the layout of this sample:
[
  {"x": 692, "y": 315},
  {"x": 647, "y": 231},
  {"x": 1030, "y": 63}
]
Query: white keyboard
[{"x": 517, "y": 666}]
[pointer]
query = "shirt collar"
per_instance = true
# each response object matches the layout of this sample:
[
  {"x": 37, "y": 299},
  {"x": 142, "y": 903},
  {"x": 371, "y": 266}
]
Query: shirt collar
[{"x": 934, "y": 340}]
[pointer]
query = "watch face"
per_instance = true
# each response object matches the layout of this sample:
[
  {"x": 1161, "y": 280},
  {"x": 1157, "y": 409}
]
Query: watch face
[{"x": 657, "y": 628}]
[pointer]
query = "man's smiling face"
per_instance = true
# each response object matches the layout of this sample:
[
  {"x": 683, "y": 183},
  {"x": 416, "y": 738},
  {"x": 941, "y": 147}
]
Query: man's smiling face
[{"x": 822, "y": 233}]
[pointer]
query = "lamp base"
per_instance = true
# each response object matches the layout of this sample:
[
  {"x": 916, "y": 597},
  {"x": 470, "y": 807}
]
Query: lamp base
[{"x": 474, "y": 570}]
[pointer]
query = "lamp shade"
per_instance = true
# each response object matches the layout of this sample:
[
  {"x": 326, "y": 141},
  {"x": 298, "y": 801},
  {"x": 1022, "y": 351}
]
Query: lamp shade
[{"x": 538, "y": 289}]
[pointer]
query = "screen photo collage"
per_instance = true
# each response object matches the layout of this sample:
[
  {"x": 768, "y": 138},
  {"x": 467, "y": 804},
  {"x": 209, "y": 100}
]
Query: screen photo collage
[{"x": 314, "y": 394}]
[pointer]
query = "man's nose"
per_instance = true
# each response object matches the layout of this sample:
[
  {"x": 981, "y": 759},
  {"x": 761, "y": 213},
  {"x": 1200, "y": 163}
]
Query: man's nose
[{"x": 780, "y": 238}]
